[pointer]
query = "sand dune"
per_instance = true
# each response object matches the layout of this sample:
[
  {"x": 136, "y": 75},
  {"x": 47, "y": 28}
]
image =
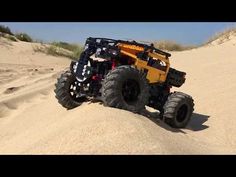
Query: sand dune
[{"x": 32, "y": 122}]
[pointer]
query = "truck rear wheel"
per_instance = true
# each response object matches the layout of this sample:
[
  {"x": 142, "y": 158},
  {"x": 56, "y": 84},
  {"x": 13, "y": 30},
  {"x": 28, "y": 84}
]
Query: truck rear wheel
[
  {"x": 178, "y": 110},
  {"x": 126, "y": 88}
]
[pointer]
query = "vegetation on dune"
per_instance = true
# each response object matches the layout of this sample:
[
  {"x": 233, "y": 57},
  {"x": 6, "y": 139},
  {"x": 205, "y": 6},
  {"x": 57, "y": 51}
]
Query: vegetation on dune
[
  {"x": 65, "y": 45},
  {"x": 65, "y": 49},
  {"x": 76, "y": 49},
  {"x": 59, "y": 51},
  {"x": 24, "y": 37},
  {"x": 7, "y": 33},
  {"x": 222, "y": 36},
  {"x": 5, "y": 29},
  {"x": 172, "y": 46},
  {"x": 10, "y": 37}
]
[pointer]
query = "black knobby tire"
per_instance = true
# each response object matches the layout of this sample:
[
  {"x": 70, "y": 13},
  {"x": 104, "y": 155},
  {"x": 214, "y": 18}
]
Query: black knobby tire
[
  {"x": 63, "y": 91},
  {"x": 126, "y": 88},
  {"x": 178, "y": 109}
]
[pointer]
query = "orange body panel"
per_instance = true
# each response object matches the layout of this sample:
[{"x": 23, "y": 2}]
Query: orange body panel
[{"x": 154, "y": 75}]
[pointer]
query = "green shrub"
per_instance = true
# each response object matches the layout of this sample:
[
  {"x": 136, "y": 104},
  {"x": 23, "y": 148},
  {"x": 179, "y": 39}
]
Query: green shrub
[
  {"x": 5, "y": 29},
  {"x": 24, "y": 37}
]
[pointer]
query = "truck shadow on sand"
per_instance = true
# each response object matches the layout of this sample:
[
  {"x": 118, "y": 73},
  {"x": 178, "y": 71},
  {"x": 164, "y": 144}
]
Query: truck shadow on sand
[{"x": 195, "y": 124}]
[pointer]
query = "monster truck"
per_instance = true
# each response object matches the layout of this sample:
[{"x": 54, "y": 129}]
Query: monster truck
[{"x": 127, "y": 75}]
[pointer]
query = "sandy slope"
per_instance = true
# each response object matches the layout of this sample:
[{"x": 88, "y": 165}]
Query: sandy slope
[{"x": 32, "y": 122}]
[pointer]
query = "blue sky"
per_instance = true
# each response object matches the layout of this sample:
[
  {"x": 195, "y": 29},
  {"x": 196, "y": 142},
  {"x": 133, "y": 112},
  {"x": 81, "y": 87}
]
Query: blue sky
[{"x": 77, "y": 32}]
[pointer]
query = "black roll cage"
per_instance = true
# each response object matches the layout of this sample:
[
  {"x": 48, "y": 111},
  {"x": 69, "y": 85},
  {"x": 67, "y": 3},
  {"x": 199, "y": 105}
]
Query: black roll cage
[{"x": 94, "y": 43}]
